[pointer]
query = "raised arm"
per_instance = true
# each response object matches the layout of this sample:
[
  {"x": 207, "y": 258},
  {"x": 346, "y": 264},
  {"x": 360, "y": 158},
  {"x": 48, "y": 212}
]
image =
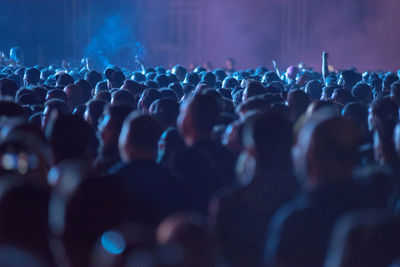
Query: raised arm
[
  {"x": 325, "y": 70},
  {"x": 275, "y": 65}
]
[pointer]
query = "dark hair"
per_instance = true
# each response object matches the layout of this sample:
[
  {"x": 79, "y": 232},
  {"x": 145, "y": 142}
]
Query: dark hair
[
  {"x": 32, "y": 75},
  {"x": 8, "y": 87}
]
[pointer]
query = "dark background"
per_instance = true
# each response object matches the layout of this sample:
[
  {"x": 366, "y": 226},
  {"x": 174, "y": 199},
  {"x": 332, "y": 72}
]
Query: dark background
[{"x": 360, "y": 33}]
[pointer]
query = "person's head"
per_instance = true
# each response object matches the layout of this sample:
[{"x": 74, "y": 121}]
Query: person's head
[
  {"x": 179, "y": 71},
  {"x": 177, "y": 88},
  {"x": 54, "y": 107},
  {"x": 139, "y": 138},
  {"x": 314, "y": 90},
  {"x": 358, "y": 114},
  {"x": 93, "y": 77},
  {"x": 326, "y": 150},
  {"x": 166, "y": 110},
  {"x": 230, "y": 83},
  {"x": 349, "y": 78},
  {"x": 162, "y": 80},
  {"x": 8, "y": 88},
  {"x": 101, "y": 86},
  {"x": 94, "y": 110},
  {"x": 327, "y": 92},
  {"x": 292, "y": 72},
  {"x": 253, "y": 88},
  {"x": 123, "y": 97},
  {"x": 133, "y": 87},
  {"x": 67, "y": 142},
  {"x": 395, "y": 92},
  {"x": 388, "y": 80},
  {"x": 342, "y": 96},
  {"x": 86, "y": 89},
  {"x": 298, "y": 102},
  {"x": 209, "y": 78},
  {"x": 103, "y": 95},
  {"x": 268, "y": 138},
  {"x": 139, "y": 77},
  {"x": 74, "y": 95},
  {"x": 116, "y": 79},
  {"x": 382, "y": 111},
  {"x": 56, "y": 94},
  {"x": 363, "y": 92},
  {"x": 32, "y": 76},
  {"x": 170, "y": 142},
  {"x": 192, "y": 78},
  {"x": 197, "y": 118},
  {"x": 230, "y": 64},
  {"x": 147, "y": 98},
  {"x": 111, "y": 124},
  {"x": 64, "y": 79}
]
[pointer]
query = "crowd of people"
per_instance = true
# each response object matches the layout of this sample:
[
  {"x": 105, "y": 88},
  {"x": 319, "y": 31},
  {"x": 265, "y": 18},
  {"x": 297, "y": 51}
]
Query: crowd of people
[{"x": 199, "y": 167}]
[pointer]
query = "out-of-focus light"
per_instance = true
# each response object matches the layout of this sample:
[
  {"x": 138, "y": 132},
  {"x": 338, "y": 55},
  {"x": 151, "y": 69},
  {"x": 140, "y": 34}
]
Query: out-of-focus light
[{"x": 113, "y": 242}]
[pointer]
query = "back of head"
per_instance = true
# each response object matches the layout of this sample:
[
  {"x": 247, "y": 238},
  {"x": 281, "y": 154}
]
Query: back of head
[
  {"x": 147, "y": 98},
  {"x": 8, "y": 87},
  {"x": 269, "y": 136},
  {"x": 349, "y": 78},
  {"x": 139, "y": 138},
  {"x": 327, "y": 149},
  {"x": 389, "y": 79},
  {"x": 93, "y": 77},
  {"x": 363, "y": 92},
  {"x": 64, "y": 80},
  {"x": 209, "y": 78},
  {"x": 383, "y": 111},
  {"x": 314, "y": 89},
  {"x": 253, "y": 88},
  {"x": 116, "y": 79},
  {"x": 71, "y": 137},
  {"x": 357, "y": 113},
  {"x": 123, "y": 97},
  {"x": 166, "y": 110},
  {"x": 198, "y": 116},
  {"x": 32, "y": 76}
]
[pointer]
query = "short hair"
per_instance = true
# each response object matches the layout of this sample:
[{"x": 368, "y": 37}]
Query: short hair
[
  {"x": 32, "y": 75},
  {"x": 192, "y": 78},
  {"x": 166, "y": 110},
  {"x": 65, "y": 79},
  {"x": 93, "y": 77},
  {"x": 314, "y": 89},
  {"x": 123, "y": 97},
  {"x": 361, "y": 91},
  {"x": 67, "y": 142},
  {"x": 56, "y": 94},
  {"x": 209, "y": 78},
  {"x": 117, "y": 79},
  {"x": 230, "y": 82},
  {"x": 254, "y": 88},
  {"x": 162, "y": 80},
  {"x": 205, "y": 112},
  {"x": 389, "y": 79},
  {"x": 103, "y": 95},
  {"x": 133, "y": 87},
  {"x": 8, "y": 87},
  {"x": 143, "y": 132},
  {"x": 148, "y": 97}
]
